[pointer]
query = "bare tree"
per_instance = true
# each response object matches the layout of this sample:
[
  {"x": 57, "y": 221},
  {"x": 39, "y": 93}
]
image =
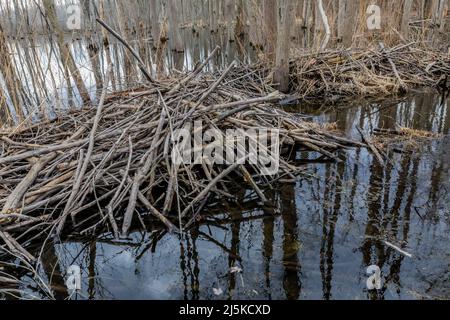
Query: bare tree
[
  {"x": 326, "y": 25},
  {"x": 281, "y": 72},
  {"x": 270, "y": 25},
  {"x": 230, "y": 12},
  {"x": 439, "y": 15},
  {"x": 406, "y": 16},
  {"x": 346, "y": 19},
  {"x": 92, "y": 44},
  {"x": 175, "y": 36},
  {"x": 11, "y": 80},
  {"x": 64, "y": 50},
  {"x": 156, "y": 29}
]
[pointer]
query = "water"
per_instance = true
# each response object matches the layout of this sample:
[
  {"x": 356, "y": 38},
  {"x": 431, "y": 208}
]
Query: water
[{"x": 315, "y": 242}]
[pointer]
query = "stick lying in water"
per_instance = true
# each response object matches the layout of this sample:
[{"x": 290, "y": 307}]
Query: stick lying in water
[
  {"x": 371, "y": 146},
  {"x": 409, "y": 255}
]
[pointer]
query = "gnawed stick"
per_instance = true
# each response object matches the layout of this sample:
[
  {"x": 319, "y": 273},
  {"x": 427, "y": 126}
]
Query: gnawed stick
[
  {"x": 394, "y": 68},
  {"x": 18, "y": 193},
  {"x": 23, "y": 224},
  {"x": 170, "y": 226},
  {"x": 273, "y": 97},
  {"x": 249, "y": 179},
  {"x": 153, "y": 211},
  {"x": 133, "y": 52},
  {"x": 15, "y": 247},
  {"x": 48, "y": 187},
  {"x": 193, "y": 74},
  {"x": 209, "y": 91},
  {"x": 371, "y": 146},
  {"x": 112, "y": 204},
  {"x": 84, "y": 167},
  {"x": 208, "y": 188},
  {"x": 9, "y": 281},
  {"x": 215, "y": 84},
  {"x": 140, "y": 174},
  {"x": 320, "y": 150},
  {"x": 393, "y": 246}
]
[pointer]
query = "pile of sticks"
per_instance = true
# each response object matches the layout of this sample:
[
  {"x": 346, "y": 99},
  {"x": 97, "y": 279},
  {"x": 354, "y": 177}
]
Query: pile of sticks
[
  {"x": 106, "y": 166},
  {"x": 368, "y": 72},
  {"x": 402, "y": 139}
]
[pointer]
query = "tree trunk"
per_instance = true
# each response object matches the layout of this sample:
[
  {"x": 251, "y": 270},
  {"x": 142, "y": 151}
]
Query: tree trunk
[
  {"x": 346, "y": 20},
  {"x": 270, "y": 23},
  {"x": 230, "y": 14},
  {"x": 404, "y": 27},
  {"x": 12, "y": 82},
  {"x": 106, "y": 45},
  {"x": 439, "y": 15},
  {"x": 156, "y": 28},
  {"x": 121, "y": 11},
  {"x": 281, "y": 72},
  {"x": 92, "y": 46},
  {"x": 429, "y": 7},
  {"x": 240, "y": 20},
  {"x": 66, "y": 55},
  {"x": 326, "y": 25},
  {"x": 175, "y": 36},
  {"x": 306, "y": 26}
]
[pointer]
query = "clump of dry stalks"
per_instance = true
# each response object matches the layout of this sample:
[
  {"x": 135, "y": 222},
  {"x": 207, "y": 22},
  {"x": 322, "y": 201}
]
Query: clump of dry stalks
[
  {"x": 366, "y": 72},
  {"x": 105, "y": 166},
  {"x": 407, "y": 137}
]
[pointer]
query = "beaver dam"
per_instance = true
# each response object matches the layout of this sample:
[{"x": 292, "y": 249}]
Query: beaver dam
[
  {"x": 103, "y": 172},
  {"x": 117, "y": 157}
]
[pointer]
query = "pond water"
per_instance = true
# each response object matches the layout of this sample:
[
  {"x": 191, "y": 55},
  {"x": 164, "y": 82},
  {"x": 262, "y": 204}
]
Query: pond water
[{"x": 316, "y": 240}]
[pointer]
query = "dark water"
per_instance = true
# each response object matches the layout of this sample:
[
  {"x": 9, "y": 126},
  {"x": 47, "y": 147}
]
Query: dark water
[{"x": 317, "y": 240}]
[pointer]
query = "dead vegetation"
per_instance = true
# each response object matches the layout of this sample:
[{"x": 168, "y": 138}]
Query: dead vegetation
[
  {"x": 409, "y": 139},
  {"x": 376, "y": 71}
]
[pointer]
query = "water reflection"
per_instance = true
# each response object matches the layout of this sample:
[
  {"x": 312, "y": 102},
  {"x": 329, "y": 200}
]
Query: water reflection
[{"x": 314, "y": 242}]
